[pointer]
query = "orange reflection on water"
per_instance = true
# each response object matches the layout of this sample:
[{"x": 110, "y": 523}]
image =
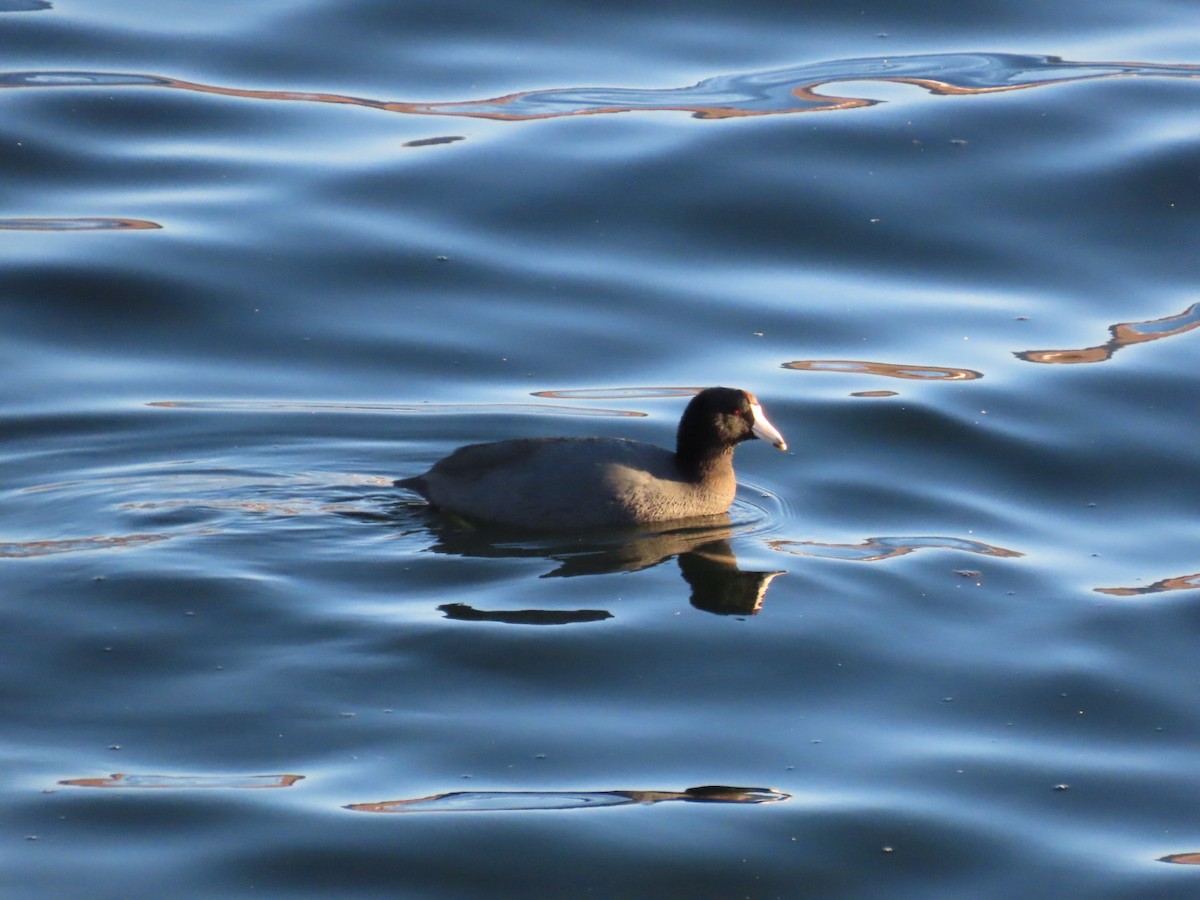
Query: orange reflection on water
[
  {"x": 1179, "y": 583},
  {"x": 1123, "y": 334},
  {"x": 629, "y": 393},
  {"x": 177, "y": 782},
  {"x": 1185, "y": 859},
  {"x": 891, "y": 370},
  {"x": 524, "y": 801},
  {"x": 275, "y": 508},
  {"x": 877, "y": 548},
  {"x": 789, "y": 90},
  {"x": 27, "y": 549},
  {"x": 76, "y": 224}
]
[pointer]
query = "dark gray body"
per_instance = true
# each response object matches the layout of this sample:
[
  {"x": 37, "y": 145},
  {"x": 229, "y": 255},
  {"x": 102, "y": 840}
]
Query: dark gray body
[{"x": 559, "y": 483}]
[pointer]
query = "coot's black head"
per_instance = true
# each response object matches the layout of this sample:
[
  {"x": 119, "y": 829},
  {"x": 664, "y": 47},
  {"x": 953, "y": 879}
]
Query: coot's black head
[{"x": 717, "y": 420}]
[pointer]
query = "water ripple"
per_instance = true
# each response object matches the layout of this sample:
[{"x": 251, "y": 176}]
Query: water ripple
[
  {"x": 772, "y": 92},
  {"x": 1122, "y": 335},
  {"x": 292, "y": 406},
  {"x": 877, "y": 548},
  {"x": 1178, "y": 583},
  {"x": 511, "y": 801},
  {"x": 76, "y": 224},
  {"x": 29, "y": 549},
  {"x": 629, "y": 393},
  {"x": 891, "y": 370},
  {"x": 161, "y": 782},
  {"x": 1182, "y": 859}
]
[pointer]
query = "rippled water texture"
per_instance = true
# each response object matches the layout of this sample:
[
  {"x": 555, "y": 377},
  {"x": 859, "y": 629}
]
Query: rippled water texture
[
  {"x": 258, "y": 260},
  {"x": 748, "y": 94}
]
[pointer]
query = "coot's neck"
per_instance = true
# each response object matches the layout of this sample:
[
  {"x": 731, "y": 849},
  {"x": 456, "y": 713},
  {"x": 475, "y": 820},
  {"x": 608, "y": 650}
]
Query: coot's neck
[{"x": 701, "y": 462}]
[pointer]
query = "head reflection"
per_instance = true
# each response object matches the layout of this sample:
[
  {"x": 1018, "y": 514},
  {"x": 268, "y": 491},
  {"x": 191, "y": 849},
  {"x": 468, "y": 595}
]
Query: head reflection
[{"x": 701, "y": 548}]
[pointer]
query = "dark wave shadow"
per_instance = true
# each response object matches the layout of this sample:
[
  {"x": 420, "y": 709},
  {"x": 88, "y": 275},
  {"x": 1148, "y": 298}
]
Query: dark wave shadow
[
  {"x": 524, "y": 801},
  {"x": 772, "y": 92},
  {"x": 464, "y": 612},
  {"x": 701, "y": 546},
  {"x": 23, "y": 5}
]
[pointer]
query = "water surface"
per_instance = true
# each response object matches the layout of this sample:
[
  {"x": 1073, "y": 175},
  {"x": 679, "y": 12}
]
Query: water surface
[{"x": 259, "y": 259}]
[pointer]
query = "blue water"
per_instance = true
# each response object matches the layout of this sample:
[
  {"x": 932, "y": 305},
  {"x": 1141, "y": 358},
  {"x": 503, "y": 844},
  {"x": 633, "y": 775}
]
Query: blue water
[{"x": 258, "y": 259}]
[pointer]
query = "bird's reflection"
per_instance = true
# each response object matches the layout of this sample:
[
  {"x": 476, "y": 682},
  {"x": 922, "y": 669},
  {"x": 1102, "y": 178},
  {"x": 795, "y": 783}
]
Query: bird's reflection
[
  {"x": 701, "y": 546},
  {"x": 718, "y": 585}
]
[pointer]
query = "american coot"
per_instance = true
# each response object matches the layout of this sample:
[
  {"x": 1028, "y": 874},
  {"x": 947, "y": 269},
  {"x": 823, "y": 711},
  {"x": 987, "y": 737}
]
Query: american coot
[{"x": 556, "y": 483}]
